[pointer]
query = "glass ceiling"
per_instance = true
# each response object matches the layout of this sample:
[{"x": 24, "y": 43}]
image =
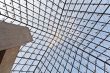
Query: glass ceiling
[{"x": 69, "y": 36}]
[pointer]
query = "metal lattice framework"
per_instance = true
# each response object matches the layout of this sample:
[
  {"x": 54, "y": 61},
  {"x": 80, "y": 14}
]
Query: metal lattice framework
[{"x": 69, "y": 36}]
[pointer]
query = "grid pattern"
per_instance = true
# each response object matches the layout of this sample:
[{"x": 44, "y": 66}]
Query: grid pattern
[{"x": 69, "y": 36}]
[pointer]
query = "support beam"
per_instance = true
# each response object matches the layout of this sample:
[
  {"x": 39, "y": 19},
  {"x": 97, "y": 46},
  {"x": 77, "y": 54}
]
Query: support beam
[
  {"x": 8, "y": 59},
  {"x": 11, "y": 38},
  {"x": 13, "y": 35}
]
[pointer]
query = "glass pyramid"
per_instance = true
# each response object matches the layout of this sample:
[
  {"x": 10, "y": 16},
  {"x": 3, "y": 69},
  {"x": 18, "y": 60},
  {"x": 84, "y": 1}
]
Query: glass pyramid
[{"x": 69, "y": 36}]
